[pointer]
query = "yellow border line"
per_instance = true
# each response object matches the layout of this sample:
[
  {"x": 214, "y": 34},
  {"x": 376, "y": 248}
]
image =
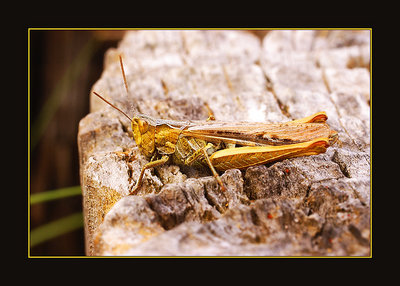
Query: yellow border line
[
  {"x": 29, "y": 145},
  {"x": 163, "y": 28},
  {"x": 370, "y": 143},
  {"x": 261, "y": 29}
]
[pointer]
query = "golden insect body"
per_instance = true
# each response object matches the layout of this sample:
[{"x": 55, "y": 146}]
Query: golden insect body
[{"x": 215, "y": 143}]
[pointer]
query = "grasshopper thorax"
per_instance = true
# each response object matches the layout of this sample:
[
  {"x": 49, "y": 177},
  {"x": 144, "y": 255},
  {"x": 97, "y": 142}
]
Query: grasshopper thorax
[{"x": 143, "y": 133}]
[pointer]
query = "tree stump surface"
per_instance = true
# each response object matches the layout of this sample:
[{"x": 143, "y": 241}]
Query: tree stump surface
[{"x": 306, "y": 206}]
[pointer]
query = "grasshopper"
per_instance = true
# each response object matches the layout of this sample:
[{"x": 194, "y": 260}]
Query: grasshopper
[{"x": 224, "y": 145}]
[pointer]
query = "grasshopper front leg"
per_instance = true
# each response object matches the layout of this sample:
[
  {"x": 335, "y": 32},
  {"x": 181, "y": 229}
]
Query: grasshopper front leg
[{"x": 149, "y": 165}]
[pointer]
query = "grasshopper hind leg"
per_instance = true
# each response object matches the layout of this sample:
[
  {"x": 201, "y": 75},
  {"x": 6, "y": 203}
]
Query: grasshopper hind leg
[
  {"x": 202, "y": 152},
  {"x": 215, "y": 174}
]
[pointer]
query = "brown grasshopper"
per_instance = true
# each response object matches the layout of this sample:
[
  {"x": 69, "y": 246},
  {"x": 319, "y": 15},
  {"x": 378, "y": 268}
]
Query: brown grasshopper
[{"x": 214, "y": 143}]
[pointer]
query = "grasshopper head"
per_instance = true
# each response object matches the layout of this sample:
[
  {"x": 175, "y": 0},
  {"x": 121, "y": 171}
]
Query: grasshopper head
[
  {"x": 143, "y": 129},
  {"x": 143, "y": 133}
]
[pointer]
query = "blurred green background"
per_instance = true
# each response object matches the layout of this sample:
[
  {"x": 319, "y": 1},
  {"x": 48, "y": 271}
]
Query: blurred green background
[{"x": 64, "y": 64}]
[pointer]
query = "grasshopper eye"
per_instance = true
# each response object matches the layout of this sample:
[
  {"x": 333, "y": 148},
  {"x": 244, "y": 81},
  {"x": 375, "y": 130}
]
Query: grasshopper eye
[{"x": 143, "y": 126}]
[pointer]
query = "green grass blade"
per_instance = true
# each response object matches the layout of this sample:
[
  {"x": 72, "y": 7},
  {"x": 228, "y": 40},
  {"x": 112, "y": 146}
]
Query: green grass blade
[
  {"x": 55, "y": 194},
  {"x": 58, "y": 94},
  {"x": 56, "y": 228}
]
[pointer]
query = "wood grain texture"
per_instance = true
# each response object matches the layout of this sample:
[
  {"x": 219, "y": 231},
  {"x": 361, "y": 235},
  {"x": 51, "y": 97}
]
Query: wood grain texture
[{"x": 316, "y": 205}]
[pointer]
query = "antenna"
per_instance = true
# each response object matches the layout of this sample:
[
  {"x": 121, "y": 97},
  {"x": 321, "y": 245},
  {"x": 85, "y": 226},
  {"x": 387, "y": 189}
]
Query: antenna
[
  {"x": 112, "y": 105},
  {"x": 123, "y": 74}
]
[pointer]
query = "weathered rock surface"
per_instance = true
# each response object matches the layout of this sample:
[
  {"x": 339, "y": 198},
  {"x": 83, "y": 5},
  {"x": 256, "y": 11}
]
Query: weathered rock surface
[{"x": 317, "y": 205}]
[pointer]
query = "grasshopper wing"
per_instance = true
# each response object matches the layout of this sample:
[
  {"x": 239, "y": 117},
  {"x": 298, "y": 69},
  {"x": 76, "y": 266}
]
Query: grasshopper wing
[{"x": 262, "y": 134}]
